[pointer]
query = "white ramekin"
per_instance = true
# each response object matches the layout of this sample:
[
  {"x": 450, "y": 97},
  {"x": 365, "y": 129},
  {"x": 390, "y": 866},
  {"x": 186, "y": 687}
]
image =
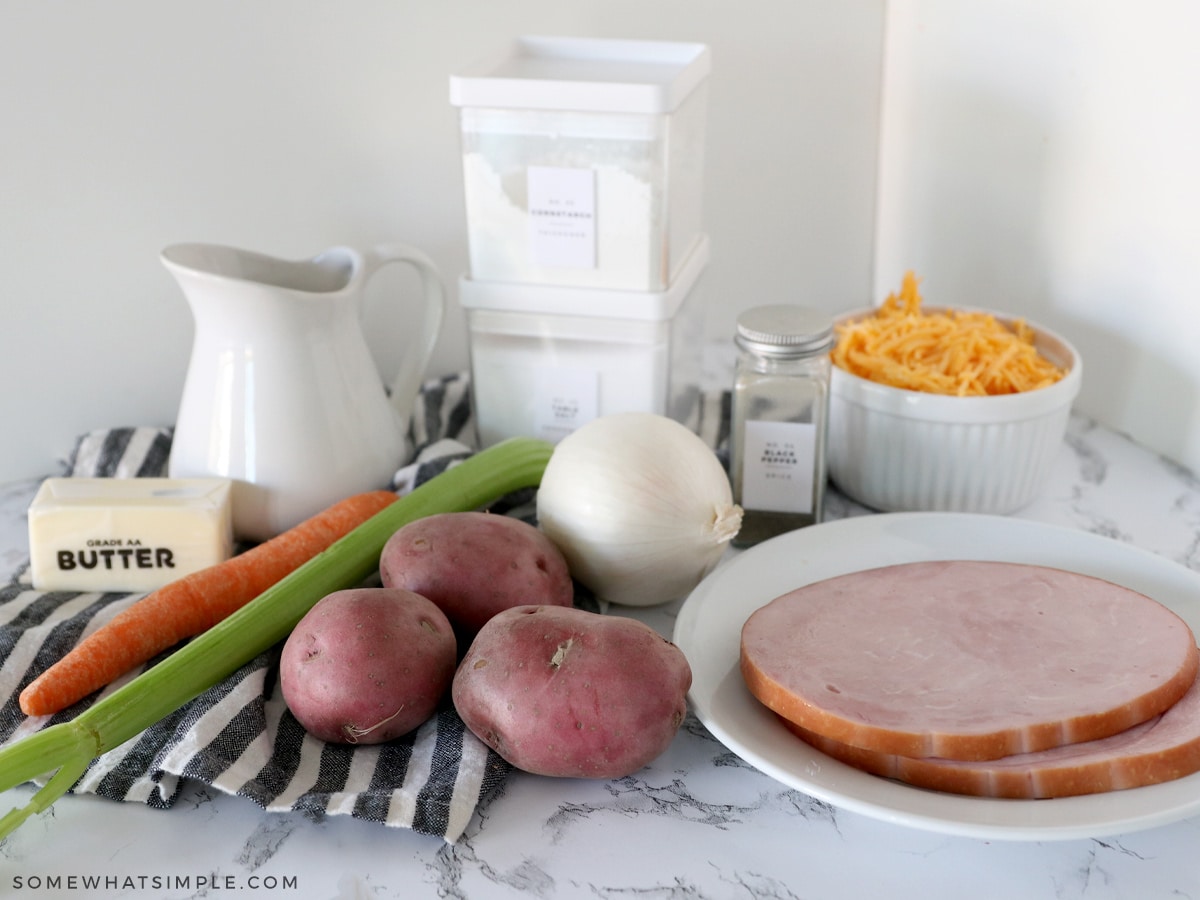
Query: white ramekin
[{"x": 900, "y": 450}]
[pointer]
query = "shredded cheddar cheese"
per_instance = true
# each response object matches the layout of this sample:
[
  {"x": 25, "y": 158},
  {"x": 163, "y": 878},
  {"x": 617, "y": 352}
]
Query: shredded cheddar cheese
[{"x": 961, "y": 353}]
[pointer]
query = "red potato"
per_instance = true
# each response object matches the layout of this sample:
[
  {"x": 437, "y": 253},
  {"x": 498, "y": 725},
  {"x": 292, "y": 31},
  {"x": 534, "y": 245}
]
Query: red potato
[
  {"x": 475, "y": 564},
  {"x": 571, "y": 693},
  {"x": 367, "y": 665}
]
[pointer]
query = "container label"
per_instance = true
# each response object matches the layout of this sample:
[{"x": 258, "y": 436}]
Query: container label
[
  {"x": 565, "y": 399},
  {"x": 777, "y": 475},
  {"x": 562, "y": 217}
]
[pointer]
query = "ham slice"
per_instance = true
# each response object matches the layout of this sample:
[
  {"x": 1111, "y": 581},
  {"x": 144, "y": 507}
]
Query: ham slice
[
  {"x": 966, "y": 660},
  {"x": 1164, "y": 748}
]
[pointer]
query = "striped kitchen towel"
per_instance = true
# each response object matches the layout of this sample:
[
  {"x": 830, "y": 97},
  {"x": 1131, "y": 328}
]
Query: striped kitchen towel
[{"x": 239, "y": 736}]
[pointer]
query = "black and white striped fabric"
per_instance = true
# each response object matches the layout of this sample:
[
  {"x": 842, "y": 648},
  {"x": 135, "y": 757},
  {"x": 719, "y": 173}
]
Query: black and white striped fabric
[{"x": 239, "y": 736}]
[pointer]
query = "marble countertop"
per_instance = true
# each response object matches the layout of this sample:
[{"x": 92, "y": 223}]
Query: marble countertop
[{"x": 698, "y": 823}]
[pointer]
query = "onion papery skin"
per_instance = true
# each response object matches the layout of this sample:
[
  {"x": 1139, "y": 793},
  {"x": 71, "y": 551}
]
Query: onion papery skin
[{"x": 640, "y": 507}]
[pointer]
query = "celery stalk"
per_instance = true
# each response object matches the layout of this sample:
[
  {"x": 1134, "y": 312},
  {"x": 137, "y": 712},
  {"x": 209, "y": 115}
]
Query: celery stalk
[{"x": 70, "y": 747}]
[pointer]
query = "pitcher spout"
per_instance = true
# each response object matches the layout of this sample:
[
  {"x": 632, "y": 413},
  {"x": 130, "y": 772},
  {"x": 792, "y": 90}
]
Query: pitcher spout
[
  {"x": 336, "y": 270},
  {"x": 282, "y": 392}
]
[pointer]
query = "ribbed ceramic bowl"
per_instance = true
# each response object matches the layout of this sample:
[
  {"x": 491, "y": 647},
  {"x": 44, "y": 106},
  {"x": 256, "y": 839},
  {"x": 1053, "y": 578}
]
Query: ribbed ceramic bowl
[{"x": 899, "y": 450}]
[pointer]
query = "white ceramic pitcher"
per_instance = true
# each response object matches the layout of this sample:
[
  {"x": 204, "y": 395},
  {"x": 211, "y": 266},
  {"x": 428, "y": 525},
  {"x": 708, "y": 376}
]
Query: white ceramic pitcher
[{"x": 282, "y": 394}]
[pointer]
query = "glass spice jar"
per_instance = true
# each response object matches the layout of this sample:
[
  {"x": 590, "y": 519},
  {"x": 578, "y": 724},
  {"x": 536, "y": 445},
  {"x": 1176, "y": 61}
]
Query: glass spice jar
[{"x": 780, "y": 412}]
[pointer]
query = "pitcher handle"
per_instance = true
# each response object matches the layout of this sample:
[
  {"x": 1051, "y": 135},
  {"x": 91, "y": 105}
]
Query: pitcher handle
[{"x": 413, "y": 362}]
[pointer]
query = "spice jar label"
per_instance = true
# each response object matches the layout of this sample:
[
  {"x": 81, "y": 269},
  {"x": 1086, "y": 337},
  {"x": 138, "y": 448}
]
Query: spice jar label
[
  {"x": 778, "y": 469},
  {"x": 562, "y": 217}
]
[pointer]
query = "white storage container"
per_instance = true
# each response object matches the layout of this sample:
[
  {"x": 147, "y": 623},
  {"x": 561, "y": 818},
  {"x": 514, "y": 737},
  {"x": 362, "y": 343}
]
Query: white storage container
[
  {"x": 583, "y": 161},
  {"x": 545, "y": 360}
]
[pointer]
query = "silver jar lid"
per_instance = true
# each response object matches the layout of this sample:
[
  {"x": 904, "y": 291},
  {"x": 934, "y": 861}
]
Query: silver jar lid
[{"x": 784, "y": 330}]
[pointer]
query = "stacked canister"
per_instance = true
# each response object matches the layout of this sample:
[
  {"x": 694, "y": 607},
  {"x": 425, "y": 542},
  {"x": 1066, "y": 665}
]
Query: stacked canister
[{"x": 583, "y": 166}]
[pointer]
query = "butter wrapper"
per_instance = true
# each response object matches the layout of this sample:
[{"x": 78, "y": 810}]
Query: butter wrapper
[{"x": 127, "y": 534}]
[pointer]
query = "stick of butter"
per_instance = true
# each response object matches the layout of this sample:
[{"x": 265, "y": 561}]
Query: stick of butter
[{"x": 127, "y": 534}]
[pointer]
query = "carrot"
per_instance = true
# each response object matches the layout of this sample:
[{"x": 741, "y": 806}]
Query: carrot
[
  {"x": 63, "y": 751},
  {"x": 190, "y": 606}
]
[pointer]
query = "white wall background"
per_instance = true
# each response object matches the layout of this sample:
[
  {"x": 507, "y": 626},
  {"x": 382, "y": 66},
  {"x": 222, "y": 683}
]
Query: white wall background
[
  {"x": 1036, "y": 156},
  {"x": 1044, "y": 157},
  {"x": 287, "y": 126}
]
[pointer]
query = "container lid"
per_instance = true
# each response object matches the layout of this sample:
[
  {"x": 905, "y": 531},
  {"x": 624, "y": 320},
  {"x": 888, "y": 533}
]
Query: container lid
[
  {"x": 784, "y": 330},
  {"x": 651, "y": 306},
  {"x": 588, "y": 74}
]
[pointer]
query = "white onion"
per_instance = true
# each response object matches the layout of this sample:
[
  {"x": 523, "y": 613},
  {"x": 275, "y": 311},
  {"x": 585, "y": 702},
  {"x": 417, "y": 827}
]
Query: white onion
[{"x": 640, "y": 507}]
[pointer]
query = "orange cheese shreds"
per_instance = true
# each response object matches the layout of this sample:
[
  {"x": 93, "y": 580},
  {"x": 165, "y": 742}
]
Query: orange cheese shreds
[{"x": 961, "y": 353}]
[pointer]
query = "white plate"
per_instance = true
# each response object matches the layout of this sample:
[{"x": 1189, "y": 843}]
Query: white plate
[{"x": 709, "y": 627}]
